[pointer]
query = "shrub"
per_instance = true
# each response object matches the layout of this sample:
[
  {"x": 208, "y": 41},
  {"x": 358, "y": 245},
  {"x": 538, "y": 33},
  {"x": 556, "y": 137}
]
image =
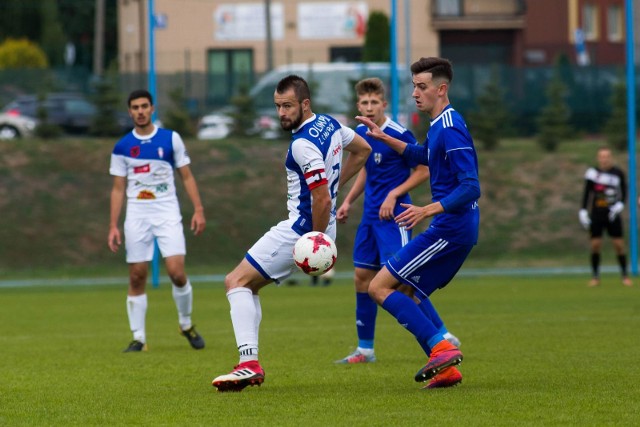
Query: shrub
[
  {"x": 490, "y": 117},
  {"x": 21, "y": 53},
  {"x": 177, "y": 117},
  {"x": 553, "y": 122},
  {"x": 616, "y": 126}
]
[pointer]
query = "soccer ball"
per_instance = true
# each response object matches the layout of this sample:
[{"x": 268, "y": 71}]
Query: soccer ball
[{"x": 315, "y": 253}]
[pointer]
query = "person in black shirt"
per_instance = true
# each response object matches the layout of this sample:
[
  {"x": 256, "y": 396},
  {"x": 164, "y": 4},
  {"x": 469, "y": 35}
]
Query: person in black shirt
[{"x": 605, "y": 192}]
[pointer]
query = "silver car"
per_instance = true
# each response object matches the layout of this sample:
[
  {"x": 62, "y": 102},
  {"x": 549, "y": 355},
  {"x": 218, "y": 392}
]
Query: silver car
[{"x": 13, "y": 126}]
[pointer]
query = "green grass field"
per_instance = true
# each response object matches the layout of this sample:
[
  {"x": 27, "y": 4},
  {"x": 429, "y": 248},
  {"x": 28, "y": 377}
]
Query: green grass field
[{"x": 538, "y": 351}]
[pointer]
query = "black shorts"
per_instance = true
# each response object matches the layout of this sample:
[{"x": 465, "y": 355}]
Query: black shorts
[{"x": 600, "y": 222}]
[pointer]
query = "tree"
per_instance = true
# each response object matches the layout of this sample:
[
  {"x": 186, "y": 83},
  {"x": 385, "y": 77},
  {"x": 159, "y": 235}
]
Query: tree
[
  {"x": 553, "y": 122},
  {"x": 376, "y": 40},
  {"x": 52, "y": 37},
  {"x": 21, "y": 53},
  {"x": 177, "y": 116},
  {"x": 244, "y": 114},
  {"x": 616, "y": 126},
  {"x": 491, "y": 115},
  {"x": 107, "y": 102}
]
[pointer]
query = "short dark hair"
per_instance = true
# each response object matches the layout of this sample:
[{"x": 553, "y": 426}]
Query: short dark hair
[
  {"x": 440, "y": 68},
  {"x": 298, "y": 84},
  {"x": 371, "y": 85},
  {"x": 139, "y": 93}
]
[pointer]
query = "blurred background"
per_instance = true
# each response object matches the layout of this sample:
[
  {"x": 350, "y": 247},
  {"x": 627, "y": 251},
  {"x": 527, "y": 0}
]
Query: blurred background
[{"x": 540, "y": 82}]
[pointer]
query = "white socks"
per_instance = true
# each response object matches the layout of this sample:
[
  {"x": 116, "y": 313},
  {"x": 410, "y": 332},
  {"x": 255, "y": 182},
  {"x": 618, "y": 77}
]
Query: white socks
[
  {"x": 184, "y": 302},
  {"x": 137, "y": 311},
  {"x": 245, "y": 317}
]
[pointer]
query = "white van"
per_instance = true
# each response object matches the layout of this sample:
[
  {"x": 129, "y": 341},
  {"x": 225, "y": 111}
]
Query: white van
[{"x": 332, "y": 84}]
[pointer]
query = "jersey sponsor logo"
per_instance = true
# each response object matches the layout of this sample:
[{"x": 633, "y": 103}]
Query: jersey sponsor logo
[
  {"x": 322, "y": 129},
  {"x": 142, "y": 169},
  {"x": 134, "y": 151},
  {"x": 337, "y": 150},
  {"x": 162, "y": 188},
  {"x": 146, "y": 195},
  {"x": 416, "y": 279},
  {"x": 377, "y": 157},
  {"x": 306, "y": 167}
]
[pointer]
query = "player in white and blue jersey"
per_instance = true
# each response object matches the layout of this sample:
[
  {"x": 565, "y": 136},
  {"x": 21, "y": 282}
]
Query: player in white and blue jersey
[
  {"x": 385, "y": 181},
  {"x": 432, "y": 259},
  {"x": 315, "y": 172},
  {"x": 142, "y": 165}
]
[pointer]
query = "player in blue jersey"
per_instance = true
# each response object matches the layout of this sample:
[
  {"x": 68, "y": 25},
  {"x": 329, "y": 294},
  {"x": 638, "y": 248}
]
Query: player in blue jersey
[
  {"x": 315, "y": 172},
  {"x": 385, "y": 181},
  {"x": 142, "y": 165},
  {"x": 431, "y": 259}
]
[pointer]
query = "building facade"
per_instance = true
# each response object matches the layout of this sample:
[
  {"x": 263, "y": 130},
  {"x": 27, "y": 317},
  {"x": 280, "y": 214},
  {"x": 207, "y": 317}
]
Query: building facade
[{"x": 226, "y": 42}]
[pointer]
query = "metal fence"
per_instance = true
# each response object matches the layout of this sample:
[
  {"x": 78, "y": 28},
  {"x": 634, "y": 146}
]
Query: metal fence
[{"x": 589, "y": 90}]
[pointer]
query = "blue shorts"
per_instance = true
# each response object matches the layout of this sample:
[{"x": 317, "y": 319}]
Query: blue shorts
[
  {"x": 376, "y": 242},
  {"x": 428, "y": 263}
]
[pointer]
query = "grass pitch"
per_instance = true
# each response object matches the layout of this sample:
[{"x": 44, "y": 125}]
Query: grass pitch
[{"x": 538, "y": 351}]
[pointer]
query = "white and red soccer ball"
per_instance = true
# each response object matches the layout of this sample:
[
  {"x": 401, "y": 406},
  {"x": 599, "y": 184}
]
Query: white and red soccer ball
[{"x": 315, "y": 253}]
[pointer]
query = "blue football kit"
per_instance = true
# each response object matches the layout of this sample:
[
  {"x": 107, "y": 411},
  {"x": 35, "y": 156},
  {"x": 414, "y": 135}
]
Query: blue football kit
[
  {"x": 432, "y": 259},
  {"x": 377, "y": 240}
]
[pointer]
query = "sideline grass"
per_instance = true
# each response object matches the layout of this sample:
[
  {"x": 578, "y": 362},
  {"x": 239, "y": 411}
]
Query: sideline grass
[{"x": 538, "y": 351}]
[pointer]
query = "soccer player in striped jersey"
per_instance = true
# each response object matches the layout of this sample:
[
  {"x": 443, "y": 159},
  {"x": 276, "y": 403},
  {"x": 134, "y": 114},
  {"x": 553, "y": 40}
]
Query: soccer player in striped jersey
[
  {"x": 605, "y": 192},
  {"x": 385, "y": 181},
  {"x": 315, "y": 171},
  {"x": 431, "y": 260},
  {"x": 142, "y": 165}
]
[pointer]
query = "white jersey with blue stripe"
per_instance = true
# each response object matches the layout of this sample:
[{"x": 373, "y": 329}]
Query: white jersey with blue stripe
[
  {"x": 314, "y": 158},
  {"x": 148, "y": 163}
]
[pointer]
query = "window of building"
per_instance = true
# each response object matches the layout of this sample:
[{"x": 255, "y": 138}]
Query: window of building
[
  {"x": 590, "y": 22},
  {"x": 447, "y": 8},
  {"x": 614, "y": 23},
  {"x": 345, "y": 54},
  {"x": 228, "y": 70}
]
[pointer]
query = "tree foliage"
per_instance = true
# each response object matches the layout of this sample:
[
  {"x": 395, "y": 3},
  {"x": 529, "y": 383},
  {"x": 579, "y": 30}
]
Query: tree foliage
[
  {"x": 553, "y": 121},
  {"x": 244, "y": 114},
  {"x": 376, "y": 40},
  {"x": 491, "y": 115},
  {"x": 615, "y": 128},
  {"x": 53, "y": 23},
  {"x": 177, "y": 117},
  {"x": 21, "y": 53},
  {"x": 107, "y": 101}
]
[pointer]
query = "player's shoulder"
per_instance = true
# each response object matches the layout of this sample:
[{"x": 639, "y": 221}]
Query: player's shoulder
[
  {"x": 591, "y": 173},
  {"x": 123, "y": 144}
]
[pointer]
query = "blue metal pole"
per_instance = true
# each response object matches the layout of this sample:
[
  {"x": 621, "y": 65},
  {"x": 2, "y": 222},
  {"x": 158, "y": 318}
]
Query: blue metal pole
[
  {"x": 394, "y": 62},
  {"x": 631, "y": 137},
  {"x": 155, "y": 262}
]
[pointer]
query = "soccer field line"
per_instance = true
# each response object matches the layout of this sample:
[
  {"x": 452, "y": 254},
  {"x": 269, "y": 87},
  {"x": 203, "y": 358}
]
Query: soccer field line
[{"x": 219, "y": 278}]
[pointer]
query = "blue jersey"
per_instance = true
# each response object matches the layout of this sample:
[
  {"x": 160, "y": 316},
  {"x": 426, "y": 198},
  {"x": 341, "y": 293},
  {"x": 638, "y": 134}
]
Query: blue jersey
[
  {"x": 314, "y": 159},
  {"x": 453, "y": 165},
  {"x": 386, "y": 169}
]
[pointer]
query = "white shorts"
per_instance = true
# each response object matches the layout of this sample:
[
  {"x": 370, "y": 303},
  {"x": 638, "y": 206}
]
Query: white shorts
[
  {"x": 272, "y": 254},
  {"x": 139, "y": 234}
]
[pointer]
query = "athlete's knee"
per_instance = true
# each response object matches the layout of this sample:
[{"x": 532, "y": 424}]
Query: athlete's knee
[{"x": 178, "y": 278}]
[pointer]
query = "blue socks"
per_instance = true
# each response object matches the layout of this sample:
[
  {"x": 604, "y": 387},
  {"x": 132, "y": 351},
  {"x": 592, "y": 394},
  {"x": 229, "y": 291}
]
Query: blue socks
[
  {"x": 407, "y": 313},
  {"x": 366, "y": 312}
]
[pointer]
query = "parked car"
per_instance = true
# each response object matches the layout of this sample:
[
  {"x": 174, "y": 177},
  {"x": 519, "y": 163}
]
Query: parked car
[
  {"x": 13, "y": 126},
  {"x": 71, "y": 111},
  {"x": 219, "y": 124}
]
